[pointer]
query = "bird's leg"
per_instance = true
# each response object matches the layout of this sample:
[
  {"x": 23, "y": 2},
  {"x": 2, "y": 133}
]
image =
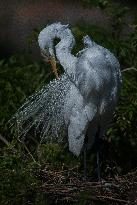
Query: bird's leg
[
  {"x": 98, "y": 166},
  {"x": 97, "y": 147},
  {"x": 85, "y": 161}
]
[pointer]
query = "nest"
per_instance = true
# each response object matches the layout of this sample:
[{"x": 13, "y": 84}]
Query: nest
[{"x": 67, "y": 186}]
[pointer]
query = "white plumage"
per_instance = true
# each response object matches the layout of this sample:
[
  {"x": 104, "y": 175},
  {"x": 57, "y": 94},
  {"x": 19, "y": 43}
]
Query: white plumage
[{"x": 85, "y": 96}]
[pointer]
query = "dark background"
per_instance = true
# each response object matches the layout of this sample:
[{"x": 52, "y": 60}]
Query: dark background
[{"x": 18, "y": 19}]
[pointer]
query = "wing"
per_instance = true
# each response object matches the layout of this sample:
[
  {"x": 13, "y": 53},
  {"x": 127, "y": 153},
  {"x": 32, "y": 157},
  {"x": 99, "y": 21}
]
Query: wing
[
  {"x": 79, "y": 122},
  {"x": 80, "y": 114}
]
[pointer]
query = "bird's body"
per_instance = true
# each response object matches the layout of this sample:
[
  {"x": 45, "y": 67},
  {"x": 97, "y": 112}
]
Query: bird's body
[
  {"x": 92, "y": 98},
  {"x": 85, "y": 96}
]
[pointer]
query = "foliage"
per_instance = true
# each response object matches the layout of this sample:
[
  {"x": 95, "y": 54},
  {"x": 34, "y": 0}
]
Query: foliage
[
  {"x": 99, "y": 3},
  {"x": 55, "y": 154},
  {"x": 19, "y": 77},
  {"x": 122, "y": 135},
  {"x": 15, "y": 177}
]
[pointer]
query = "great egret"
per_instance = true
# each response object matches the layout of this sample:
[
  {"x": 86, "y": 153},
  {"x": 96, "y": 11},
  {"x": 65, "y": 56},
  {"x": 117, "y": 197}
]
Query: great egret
[{"x": 82, "y": 100}]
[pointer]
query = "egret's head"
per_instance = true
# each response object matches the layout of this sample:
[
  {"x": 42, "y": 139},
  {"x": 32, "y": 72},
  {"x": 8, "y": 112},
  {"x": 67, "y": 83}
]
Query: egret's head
[
  {"x": 46, "y": 38},
  {"x": 46, "y": 43}
]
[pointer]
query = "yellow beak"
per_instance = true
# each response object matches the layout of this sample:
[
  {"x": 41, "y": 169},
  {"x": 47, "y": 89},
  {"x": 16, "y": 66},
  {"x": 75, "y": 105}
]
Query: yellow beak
[{"x": 54, "y": 67}]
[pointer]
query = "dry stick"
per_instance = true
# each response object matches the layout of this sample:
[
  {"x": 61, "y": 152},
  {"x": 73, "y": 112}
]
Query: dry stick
[
  {"x": 94, "y": 198},
  {"x": 131, "y": 173},
  {"x": 127, "y": 69},
  {"x": 113, "y": 199},
  {"x": 3, "y": 139},
  {"x": 57, "y": 190}
]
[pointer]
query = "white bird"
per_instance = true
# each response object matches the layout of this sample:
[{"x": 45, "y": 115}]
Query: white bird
[{"x": 82, "y": 100}]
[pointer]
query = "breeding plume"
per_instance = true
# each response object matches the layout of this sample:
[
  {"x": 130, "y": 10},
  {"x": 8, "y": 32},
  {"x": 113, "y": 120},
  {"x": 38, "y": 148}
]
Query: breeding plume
[{"x": 81, "y": 101}]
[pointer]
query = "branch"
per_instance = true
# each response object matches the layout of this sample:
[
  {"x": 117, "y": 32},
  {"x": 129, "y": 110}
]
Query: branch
[
  {"x": 3, "y": 140},
  {"x": 113, "y": 199},
  {"x": 127, "y": 69}
]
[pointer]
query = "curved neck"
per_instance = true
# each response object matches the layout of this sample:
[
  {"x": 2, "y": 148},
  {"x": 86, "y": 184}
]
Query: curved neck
[{"x": 63, "y": 52}]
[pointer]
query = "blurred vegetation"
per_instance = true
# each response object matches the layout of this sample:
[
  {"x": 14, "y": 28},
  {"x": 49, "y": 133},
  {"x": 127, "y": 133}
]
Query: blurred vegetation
[{"x": 20, "y": 77}]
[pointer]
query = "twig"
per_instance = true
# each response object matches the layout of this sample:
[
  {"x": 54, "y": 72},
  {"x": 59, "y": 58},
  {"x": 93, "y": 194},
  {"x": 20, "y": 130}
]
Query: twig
[
  {"x": 131, "y": 173},
  {"x": 113, "y": 199},
  {"x": 3, "y": 139},
  {"x": 28, "y": 152},
  {"x": 127, "y": 69}
]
